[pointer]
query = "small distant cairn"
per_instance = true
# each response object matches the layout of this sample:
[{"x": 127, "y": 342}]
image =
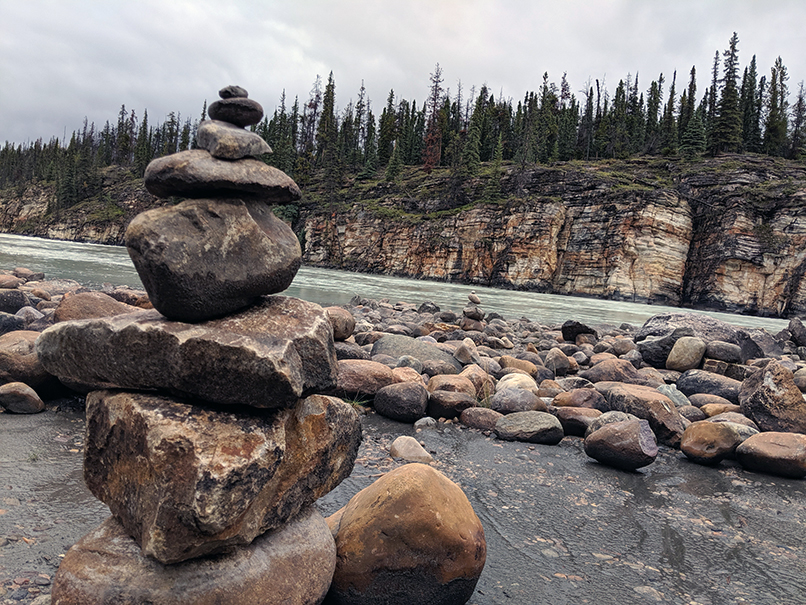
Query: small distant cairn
[{"x": 206, "y": 435}]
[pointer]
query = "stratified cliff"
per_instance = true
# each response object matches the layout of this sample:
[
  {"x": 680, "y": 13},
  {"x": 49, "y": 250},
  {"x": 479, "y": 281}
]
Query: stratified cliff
[{"x": 726, "y": 233}]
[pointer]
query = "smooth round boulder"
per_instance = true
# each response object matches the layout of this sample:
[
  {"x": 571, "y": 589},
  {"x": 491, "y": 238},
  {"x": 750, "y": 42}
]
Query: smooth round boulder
[
  {"x": 295, "y": 560},
  {"x": 686, "y": 354},
  {"x": 709, "y": 442},
  {"x": 358, "y": 377},
  {"x": 240, "y": 111},
  {"x": 531, "y": 427},
  {"x": 449, "y": 404},
  {"x": 580, "y": 398},
  {"x": 19, "y": 361},
  {"x": 410, "y": 537},
  {"x": 19, "y": 398},
  {"x": 516, "y": 381},
  {"x": 776, "y": 453},
  {"x": 87, "y": 305},
  {"x": 452, "y": 382},
  {"x": 608, "y": 418},
  {"x": 342, "y": 321},
  {"x": 628, "y": 445},
  {"x": 402, "y": 401},
  {"x": 701, "y": 381},
  {"x": 480, "y": 418},
  {"x": 509, "y": 401}
]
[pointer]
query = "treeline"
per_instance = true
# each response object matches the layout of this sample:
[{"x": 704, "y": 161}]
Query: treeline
[{"x": 738, "y": 112}]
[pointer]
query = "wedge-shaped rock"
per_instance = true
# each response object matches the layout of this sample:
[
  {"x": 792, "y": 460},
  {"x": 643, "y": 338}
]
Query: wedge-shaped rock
[
  {"x": 205, "y": 258},
  {"x": 628, "y": 445},
  {"x": 187, "y": 481},
  {"x": 266, "y": 356},
  {"x": 196, "y": 173},
  {"x": 106, "y": 566}
]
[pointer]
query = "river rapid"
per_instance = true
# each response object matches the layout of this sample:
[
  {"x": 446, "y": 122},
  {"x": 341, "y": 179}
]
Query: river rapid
[{"x": 94, "y": 264}]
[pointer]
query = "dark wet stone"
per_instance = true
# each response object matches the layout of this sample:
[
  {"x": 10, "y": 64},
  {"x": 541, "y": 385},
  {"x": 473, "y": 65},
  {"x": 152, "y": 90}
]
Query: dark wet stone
[
  {"x": 233, "y": 91},
  {"x": 655, "y": 349},
  {"x": 575, "y": 421},
  {"x": 703, "y": 326},
  {"x": 236, "y": 110},
  {"x": 449, "y": 404},
  {"x": 403, "y": 401},
  {"x": 397, "y": 345},
  {"x": 700, "y": 381},
  {"x": 572, "y": 328},
  {"x": 12, "y": 301},
  {"x": 723, "y": 351},
  {"x": 532, "y": 427},
  {"x": 628, "y": 445},
  {"x": 709, "y": 442},
  {"x": 608, "y": 418},
  {"x": 350, "y": 350}
]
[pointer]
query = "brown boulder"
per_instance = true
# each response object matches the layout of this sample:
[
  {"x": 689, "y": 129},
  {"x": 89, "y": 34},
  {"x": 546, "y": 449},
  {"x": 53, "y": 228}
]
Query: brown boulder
[
  {"x": 362, "y": 378},
  {"x": 88, "y": 305},
  {"x": 196, "y": 173},
  {"x": 628, "y": 445},
  {"x": 19, "y": 361},
  {"x": 580, "y": 398},
  {"x": 449, "y": 404},
  {"x": 342, "y": 321},
  {"x": 484, "y": 383},
  {"x": 19, "y": 398},
  {"x": 776, "y": 453},
  {"x": 403, "y": 401},
  {"x": 647, "y": 403},
  {"x": 613, "y": 370},
  {"x": 709, "y": 442},
  {"x": 575, "y": 421},
  {"x": 452, "y": 382},
  {"x": 266, "y": 356},
  {"x": 480, "y": 418},
  {"x": 107, "y": 567},
  {"x": 410, "y": 537},
  {"x": 772, "y": 400},
  {"x": 205, "y": 258},
  {"x": 186, "y": 481}
]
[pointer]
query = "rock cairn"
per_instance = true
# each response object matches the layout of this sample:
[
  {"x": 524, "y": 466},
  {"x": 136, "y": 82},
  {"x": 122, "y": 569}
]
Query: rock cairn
[{"x": 207, "y": 435}]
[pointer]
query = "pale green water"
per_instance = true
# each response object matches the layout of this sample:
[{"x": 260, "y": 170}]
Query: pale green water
[{"x": 94, "y": 264}]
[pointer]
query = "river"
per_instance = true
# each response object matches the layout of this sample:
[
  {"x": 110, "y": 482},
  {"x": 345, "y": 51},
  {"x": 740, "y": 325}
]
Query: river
[{"x": 94, "y": 264}]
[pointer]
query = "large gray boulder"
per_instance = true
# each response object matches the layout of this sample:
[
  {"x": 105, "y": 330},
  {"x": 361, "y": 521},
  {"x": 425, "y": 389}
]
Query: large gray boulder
[
  {"x": 703, "y": 326},
  {"x": 295, "y": 560},
  {"x": 396, "y": 346},
  {"x": 197, "y": 174},
  {"x": 532, "y": 427},
  {"x": 186, "y": 481},
  {"x": 694, "y": 382},
  {"x": 205, "y": 258},
  {"x": 266, "y": 356}
]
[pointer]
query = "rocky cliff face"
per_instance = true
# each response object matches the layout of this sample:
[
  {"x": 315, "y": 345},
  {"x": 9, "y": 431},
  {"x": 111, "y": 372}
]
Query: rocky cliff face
[
  {"x": 101, "y": 220},
  {"x": 725, "y": 233}
]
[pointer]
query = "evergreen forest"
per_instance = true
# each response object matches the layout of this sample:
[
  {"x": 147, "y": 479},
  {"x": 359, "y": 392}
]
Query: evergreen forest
[{"x": 742, "y": 111}]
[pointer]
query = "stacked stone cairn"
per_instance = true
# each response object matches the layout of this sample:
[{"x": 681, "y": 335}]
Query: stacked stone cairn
[{"x": 206, "y": 433}]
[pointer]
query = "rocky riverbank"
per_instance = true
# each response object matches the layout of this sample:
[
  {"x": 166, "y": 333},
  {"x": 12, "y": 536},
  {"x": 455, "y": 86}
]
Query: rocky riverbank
[{"x": 385, "y": 348}]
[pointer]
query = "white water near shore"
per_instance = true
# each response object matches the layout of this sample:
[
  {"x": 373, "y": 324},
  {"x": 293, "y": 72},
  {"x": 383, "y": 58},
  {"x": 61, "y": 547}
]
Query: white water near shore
[{"x": 94, "y": 264}]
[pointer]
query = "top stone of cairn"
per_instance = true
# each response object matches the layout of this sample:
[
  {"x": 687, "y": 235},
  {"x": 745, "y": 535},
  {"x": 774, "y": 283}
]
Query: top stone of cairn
[{"x": 235, "y": 107}]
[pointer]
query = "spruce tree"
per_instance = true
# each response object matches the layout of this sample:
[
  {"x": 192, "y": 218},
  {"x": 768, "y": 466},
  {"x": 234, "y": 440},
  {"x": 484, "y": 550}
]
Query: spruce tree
[
  {"x": 692, "y": 143},
  {"x": 727, "y": 133},
  {"x": 797, "y": 142},
  {"x": 387, "y": 130},
  {"x": 668, "y": 126},
  {"x": 395, "y": 165},
  {"x": 775, "y": 128}
]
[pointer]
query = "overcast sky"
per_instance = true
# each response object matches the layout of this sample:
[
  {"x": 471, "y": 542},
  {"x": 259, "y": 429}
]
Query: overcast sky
[{"x": 62, "y": 60}]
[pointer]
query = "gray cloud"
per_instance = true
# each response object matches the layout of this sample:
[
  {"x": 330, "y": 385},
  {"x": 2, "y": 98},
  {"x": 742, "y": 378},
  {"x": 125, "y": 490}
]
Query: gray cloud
[{"x": 60, "y": 61}]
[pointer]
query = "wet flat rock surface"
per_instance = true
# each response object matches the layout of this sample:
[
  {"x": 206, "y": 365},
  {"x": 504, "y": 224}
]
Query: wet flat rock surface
[{"x": 560, "y": 527}]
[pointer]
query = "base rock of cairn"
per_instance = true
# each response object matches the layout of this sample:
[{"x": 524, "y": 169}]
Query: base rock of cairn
[
  {"x": 210, "y": 493},
  {"x": 291, "y": 564}
]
